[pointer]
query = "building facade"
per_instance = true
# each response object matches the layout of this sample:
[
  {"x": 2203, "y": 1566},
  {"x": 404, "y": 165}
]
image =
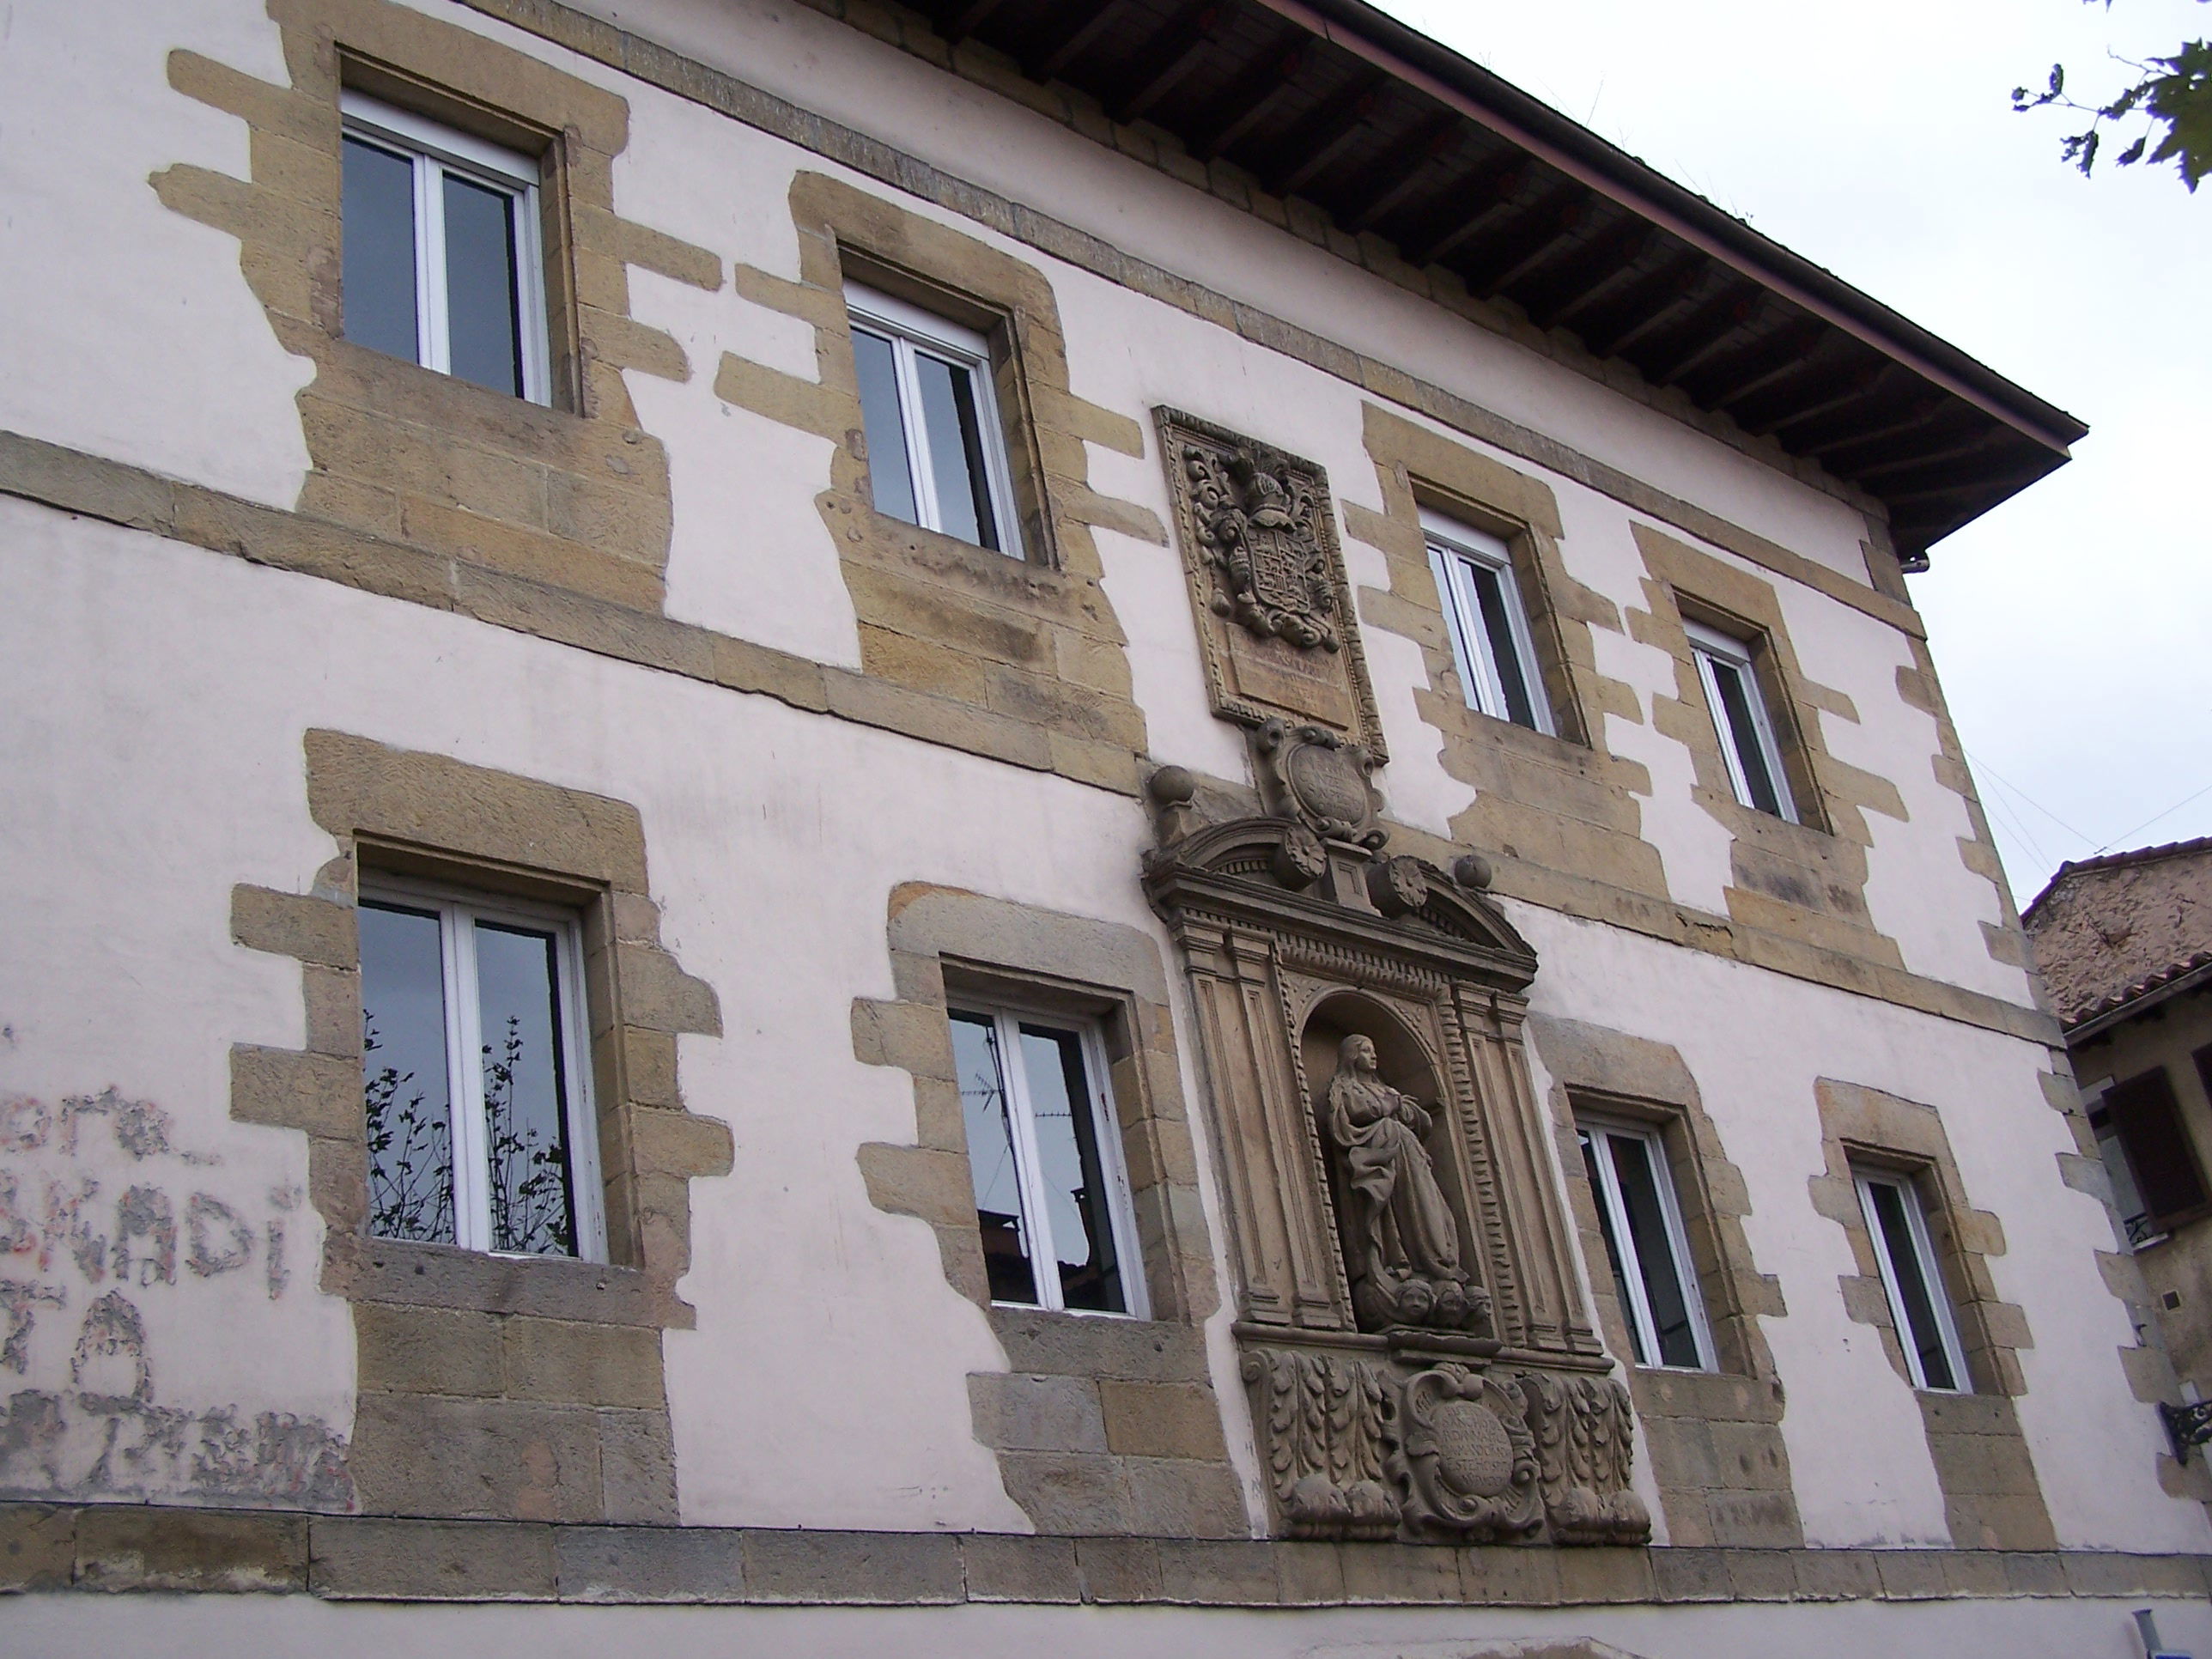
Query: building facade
[
  {"x": 841, "y": 828},
  {"x": 2123, "y": 944}
]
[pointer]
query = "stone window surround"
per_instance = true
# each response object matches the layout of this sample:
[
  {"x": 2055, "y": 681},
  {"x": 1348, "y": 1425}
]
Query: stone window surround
[
  {"x": 1992, "y": 1499},
  {"x": 490, "y": 1386},
  {"x": 1713, "y": 1437},
  {"x": 519, "y": 497},
  {"x": 1026, "y": 655},
  {"x": 1554, "y": 812},
  {"x": 1806, "y": 879},
  {"x": 1100, "y": 1423}
]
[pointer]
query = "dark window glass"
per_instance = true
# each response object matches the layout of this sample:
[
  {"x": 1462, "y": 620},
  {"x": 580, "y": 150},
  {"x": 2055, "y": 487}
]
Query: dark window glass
[
  {"x": 1067, "y": 1156},
  {"x": 378, "y": 233},
  {"x": 404, "y": 1085},
  {"x": 525, "y": 1113},
  {"x": 1613, "y": 1247},
  {"x": 483, "y": 317},
  {"x": 955, "y": 435},
  {"x": 1504, "y": 649},
  {"x": 1655, "y": 1252},
  {"x": 2147, "y": 1117},
  {"x": 889, "y": 476},
  {"x": 1913, "y": 1287},
  {"x": 1743, "y": 734},
  {"x": 991, "y": 1162}
]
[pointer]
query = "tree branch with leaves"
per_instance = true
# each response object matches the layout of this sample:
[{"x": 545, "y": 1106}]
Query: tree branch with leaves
[{"x": 2172, "y": 97}]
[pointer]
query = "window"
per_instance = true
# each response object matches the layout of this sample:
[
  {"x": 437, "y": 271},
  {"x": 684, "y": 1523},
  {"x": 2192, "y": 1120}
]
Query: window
[
  {"x": 474, "y": 1075},
  {"x": 2156, "y": 1181},
  {"x": 1051, "y": 1200},
  {"x": 1739, "y": 715},
  {"x": 1489, "y": 628},
  {"x": 1644, "y": 1242},
  {"x": 1918, "y": 1303},
  {"x": 937, "y": 455},
  {"x": 441, "y": 262}
]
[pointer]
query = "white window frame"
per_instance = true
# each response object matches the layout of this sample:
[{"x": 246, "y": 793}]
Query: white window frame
[
  {"x": 459, "y": 910},
  {"x": 1006, "y": 1020},
  {"x": 1708, "y": 646},
  {"x": 1453, "y": 548},
  {"x": 910, "y": 329},
  {"x": 434, "y": 151},
  {"x": 1931, "y": 1275},
  {"x": 1638, "y": 1311}
]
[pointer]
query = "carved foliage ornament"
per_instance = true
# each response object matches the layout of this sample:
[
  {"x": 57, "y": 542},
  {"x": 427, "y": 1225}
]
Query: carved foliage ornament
[{"x": 1359, "y": 1449}]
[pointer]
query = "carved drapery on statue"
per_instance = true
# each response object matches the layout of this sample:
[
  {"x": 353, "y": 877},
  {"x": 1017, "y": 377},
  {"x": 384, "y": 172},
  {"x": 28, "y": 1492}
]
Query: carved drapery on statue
[{"x": 1421, "y": 1364}]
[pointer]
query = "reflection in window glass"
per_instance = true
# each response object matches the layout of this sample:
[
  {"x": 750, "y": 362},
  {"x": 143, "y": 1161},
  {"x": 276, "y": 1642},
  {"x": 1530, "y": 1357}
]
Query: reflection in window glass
[
  {"x": 991, "y": 1161},
  {"x": 1906, "y": 1258},
  {"x": 1068, "y": 1170},
  {"x": 493, "y": 1150},
  {"x": 525, "y": 1114},
  {"x": 440, "y": 263},
  {"x": 1049, "y": 1200},
  {"x": 1741, "y": 721},
  {"x": 1644, "y": 1241},
  {"x": 482, "y": 319},
  {"x": 936, "y": 455},
  {"x": 888, "y": 470},
  {"x": 403, "y": 1075},
  {"x": 1490, "y": 643},
  {"x": 377, "y": 205}
]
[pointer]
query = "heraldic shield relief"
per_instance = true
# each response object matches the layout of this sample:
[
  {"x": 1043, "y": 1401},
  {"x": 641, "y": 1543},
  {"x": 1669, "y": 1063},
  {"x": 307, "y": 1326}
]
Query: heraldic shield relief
[{"x": 1258, "y": 535}]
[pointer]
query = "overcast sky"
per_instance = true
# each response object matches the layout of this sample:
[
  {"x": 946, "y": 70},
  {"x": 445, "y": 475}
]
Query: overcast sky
[{"x": 2070, "y": 625}]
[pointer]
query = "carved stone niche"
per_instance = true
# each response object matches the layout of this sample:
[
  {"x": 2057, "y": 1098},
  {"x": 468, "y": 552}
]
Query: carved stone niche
[
  {"x": 1267, "y": 585},
  {"x": 1420, "y": 1361}
]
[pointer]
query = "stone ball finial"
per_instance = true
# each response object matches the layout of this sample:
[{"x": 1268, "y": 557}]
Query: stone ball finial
[
  {"x": 1472, "y": 871},
  {"x": 1172, "y": 786}
]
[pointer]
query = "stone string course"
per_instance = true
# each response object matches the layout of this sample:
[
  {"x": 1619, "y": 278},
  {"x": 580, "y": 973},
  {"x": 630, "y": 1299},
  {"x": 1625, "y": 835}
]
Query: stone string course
[{"x": 131, "y": 1547}]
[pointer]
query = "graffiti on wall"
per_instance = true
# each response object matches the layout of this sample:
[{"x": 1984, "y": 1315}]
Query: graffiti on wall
[{"x": 103, "y": 1216}]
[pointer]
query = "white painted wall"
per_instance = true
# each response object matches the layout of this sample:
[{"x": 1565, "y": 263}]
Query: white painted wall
[
  {"x": 149, "y": 1627},
  {"x": 126, "y": 329}
]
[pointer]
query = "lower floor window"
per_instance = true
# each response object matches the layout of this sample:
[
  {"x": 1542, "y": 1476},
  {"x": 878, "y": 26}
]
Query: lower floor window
[
  {"x": 474, "y": 1075},
  {"x": 1051, "y": 1201},
  {"x": 1906, "y": 1256},
  {"x": 1643, "y": 1240}
]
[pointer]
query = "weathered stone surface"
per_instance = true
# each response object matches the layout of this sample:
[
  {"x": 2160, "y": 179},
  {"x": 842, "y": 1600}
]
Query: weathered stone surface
[
  {"x": 360, "y": 1558},
  {"x": 121, "y": 1547},
  {"x": 1025, "y": 1413},
  {"x": 38, "y": 1547},
  {"x": 887, "y": 1568},
  {"x": 1009, "y": 1567},
  {"x": 650, "y": 1564}
]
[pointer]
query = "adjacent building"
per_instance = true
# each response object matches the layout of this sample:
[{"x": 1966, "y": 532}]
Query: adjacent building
[
  {"x": 2123, "y": 943},
  {"x": 846, "y": 829}
]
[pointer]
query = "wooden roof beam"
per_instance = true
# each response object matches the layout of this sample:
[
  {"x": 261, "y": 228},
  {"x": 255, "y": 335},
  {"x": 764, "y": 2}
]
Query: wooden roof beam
[
  {"x": 1774, "y": 359},
  {"x": 1075, "y": 26},
  {"x": 1240, "y": 105},
  {"x": 1828, "y": 394},
  {"x": 1602, "y": 264},
  {"x": 967, "y": 19},
  {"x": 1913, "y": 416},
  {"x": 1651, "y": 301},
  {"x": 1522, "y": 243},
  {"x": 1386, "y": 183},
  {"x": 1320, "y": 138},
  {"x": 1470, "y": 203},
  {"x": 1171, "y": 51}
]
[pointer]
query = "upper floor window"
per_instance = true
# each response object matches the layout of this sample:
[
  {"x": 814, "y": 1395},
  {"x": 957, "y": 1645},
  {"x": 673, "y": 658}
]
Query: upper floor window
[
  {"x": 1911, "y": 1274},
  {"x": 1740, "y": 716},
  {"x": 441, "y": 260},
  {"x": 2157, "y": 1184},
  {"x": 936, "y": 454},
  {"x": 475, "y": 1075},
  {"x": 1489, "y": 625},
  {"x": 1649, "y": 1254},
  {"x": 1051, "y": 1199}
]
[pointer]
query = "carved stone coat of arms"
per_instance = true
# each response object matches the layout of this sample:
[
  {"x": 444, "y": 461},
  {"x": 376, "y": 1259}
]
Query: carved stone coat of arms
[{"x": 1258, "y": 535}]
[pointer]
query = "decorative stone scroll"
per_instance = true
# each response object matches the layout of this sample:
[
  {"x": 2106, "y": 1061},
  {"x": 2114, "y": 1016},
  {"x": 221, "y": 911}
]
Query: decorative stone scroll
[
  {"x": 1421, "y": 1363},
  {"x": 1267, "y": 585}
]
